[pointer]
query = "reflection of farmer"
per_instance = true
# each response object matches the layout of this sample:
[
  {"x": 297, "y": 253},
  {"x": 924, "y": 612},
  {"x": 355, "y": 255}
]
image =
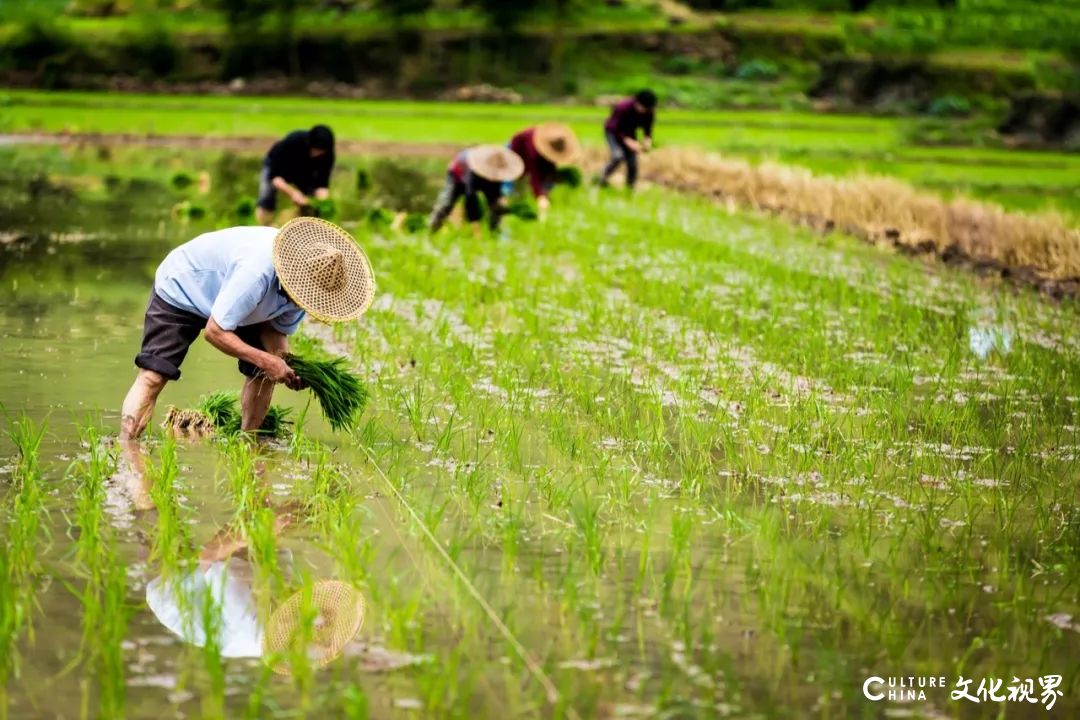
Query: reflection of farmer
[
  {"x": 478, "y": 171},
  {"x": 543, "y": 149},
  {"x": 248, "y": 288},
  {"x": 298, "y": 165},
  {"x": 216, "y": 602},
  {"x": 179, "y": 602},
  {"x": 620, "y": 130}
]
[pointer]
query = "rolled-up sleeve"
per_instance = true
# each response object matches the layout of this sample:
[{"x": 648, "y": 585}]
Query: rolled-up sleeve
[
  {"x": 289, "y": 321},
  {"x": 240, "y": 294}
]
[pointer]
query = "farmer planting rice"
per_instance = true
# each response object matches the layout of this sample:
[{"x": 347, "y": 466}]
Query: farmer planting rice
[
  {"x": 298, "y": 165},
  {"x": 475, "y": 172},
  {"x": 620, "y": 131},
  {"x": 248, "y": 288},
  {"x": 544, "y": 149}
]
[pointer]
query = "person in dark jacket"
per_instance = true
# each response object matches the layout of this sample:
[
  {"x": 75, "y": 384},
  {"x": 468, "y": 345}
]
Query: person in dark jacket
[
  {"x": 475, "y": 172},
  {"x": 544, "y": 148},
  {"x": 620, "y": 131},
  {"x": 298, "y": 165}
]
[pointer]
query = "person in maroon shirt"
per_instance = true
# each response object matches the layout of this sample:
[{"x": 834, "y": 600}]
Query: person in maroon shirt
[
  {"x": 544, "y": 148},
  {"x": 480, "y": 170},
  {"x": 620, "y": 130}
]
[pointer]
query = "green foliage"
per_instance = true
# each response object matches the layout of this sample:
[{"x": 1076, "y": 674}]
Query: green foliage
[
  {"x": 949, "y": 106},
  {"x": 400, "y": 187},
  {"x": 379, "y": 218},
  {"x": 757, "y": 70},
  {"x": 340, "y": 393},
  {"x": 153, "y": 50},
  {"x": 244, "y": 208},
  {"x": 181, "y": 180},
  {"x": 523, "y": 209},
  {"x": 415, "y": 222},
  {"x": 398, "y": 9},
  {"x": 36, "y": 42},
  {"x": 570, "y": 176},
  {"x": 223, "y": 410},
  {"x": 363, "y": 180}
]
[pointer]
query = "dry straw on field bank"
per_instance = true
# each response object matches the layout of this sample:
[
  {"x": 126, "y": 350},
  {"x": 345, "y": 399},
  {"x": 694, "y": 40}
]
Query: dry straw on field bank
[{"x": 1042, "y": 247}]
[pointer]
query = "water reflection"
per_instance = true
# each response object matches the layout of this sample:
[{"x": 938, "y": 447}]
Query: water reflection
[{"x": 218, "y": 601}]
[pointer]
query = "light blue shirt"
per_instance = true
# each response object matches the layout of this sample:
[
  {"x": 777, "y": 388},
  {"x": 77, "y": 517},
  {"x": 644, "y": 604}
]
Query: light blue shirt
[{"x": 228, "y": 275}]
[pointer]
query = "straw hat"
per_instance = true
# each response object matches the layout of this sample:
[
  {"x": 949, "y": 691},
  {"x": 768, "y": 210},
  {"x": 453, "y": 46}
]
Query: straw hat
[
  {"x": 495, "y": 162},
  {"x": 340, "y": 614},
  {"x": 323, "y": 270},
  {"x": 557, "y": 143}
]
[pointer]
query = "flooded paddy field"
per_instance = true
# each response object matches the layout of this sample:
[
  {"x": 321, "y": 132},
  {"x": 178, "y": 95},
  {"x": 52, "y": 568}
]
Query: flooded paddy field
[{"x": 646, "y": 459}]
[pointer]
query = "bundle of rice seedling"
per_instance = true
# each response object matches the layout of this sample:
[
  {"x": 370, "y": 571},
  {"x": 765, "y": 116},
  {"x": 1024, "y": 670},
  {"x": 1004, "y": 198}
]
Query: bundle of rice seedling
[
  {"x": 569, "y": 176},
  {"x": 341, "y": 394},
  {"x": 187, "y": 422},
  {"x": 522, "y": 209},
  {"x": 219, "y": 412},
  {"x": 277, "y": 422},
  {"x": 223, "y": 410}
]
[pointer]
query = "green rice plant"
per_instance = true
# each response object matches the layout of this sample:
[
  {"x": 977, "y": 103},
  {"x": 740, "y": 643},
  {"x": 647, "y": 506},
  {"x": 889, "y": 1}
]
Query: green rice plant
[
  {"x": 341, "y": 394},
  {"x": 172, "y": 544},
  {"x": 20, "y": 550},
  {"x": 223, "y": 410},
  {"x": 569, "y": 176},
  {"x": 522, "y": 209}
]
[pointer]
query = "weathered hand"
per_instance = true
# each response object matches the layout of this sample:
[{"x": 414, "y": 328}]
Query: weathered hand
[{"x": 277, "y": 370}]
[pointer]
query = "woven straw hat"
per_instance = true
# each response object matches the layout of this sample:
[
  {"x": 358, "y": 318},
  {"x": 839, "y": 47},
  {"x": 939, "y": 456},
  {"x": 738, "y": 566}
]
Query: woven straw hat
[
  {"x": 323, "y": 270},
  {"x": 495, "y": 162},
  {"x": 557, "y": 143},
  {"x": 340, "y": 615}
]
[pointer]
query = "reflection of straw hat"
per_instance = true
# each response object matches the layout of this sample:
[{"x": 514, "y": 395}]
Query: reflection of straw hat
[
  {"x": 495, "y": 162},
  {"x": 323, "y": 270},
  {"x": 557, "y": 143},
  {"x": 339, "y": 613}
]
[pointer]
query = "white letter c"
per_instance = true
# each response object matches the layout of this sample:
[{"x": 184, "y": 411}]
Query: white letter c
[{"x": 866, "y": 688}]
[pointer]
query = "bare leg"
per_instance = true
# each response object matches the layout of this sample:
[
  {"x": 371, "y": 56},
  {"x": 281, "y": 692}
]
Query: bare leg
[
  {"x": 139, "y": 403},
  {"x": 255, "y": 400},
  {"x": 257, "y": 393},
  {"x": 263, "y": 216},
  {"x": 136, "y": 413},
  {"x": 132, "y": 473}
]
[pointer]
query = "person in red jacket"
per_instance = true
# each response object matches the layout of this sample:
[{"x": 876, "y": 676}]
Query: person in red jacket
[
  {"x": 620, "y": 130},
  {"x": 544, "y": 148}
]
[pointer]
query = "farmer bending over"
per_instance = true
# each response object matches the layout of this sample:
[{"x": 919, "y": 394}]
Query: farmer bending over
[
  {"x": 480, "y": 170},
  {"x": 248, "y": 288},
  {"x": 544, "y": 149},
  {"x": 620, "y": 130},
  {"x": 298, "y": 165}
]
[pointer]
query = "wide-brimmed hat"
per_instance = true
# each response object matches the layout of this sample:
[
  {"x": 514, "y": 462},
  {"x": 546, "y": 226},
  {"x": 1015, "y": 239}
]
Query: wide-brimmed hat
[
  {"x": 323, "y": 270},
  {"x": 495, "y": 162},
  {"x": 557, "y": 143},
  {"x": 339, "y": 615}
]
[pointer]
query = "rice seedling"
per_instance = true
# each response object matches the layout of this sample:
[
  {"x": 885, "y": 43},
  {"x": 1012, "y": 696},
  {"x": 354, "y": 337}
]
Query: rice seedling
[
  {"x": 341, "y": 395},
  {"x": 219, "y": 412},
  {"x": 684, "y": 457}
]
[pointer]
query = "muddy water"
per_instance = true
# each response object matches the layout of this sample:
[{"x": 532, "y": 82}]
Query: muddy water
[{"x": 74, "y": 282}]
